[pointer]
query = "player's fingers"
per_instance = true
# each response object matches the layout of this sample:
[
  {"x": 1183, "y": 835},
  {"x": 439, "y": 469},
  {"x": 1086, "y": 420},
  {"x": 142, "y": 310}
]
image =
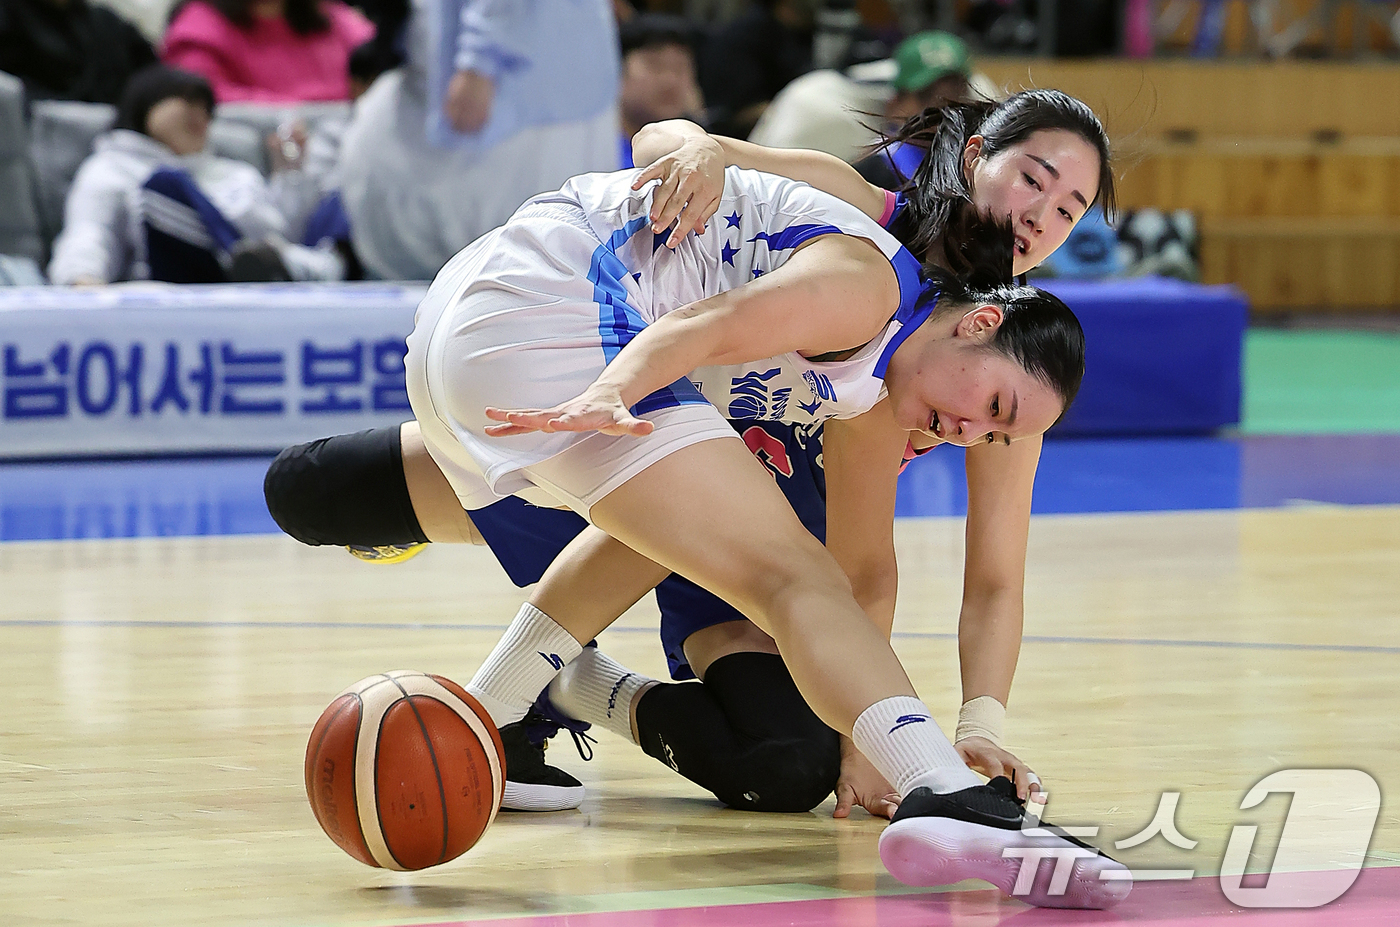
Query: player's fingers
[
  {"x": 671, "y": 213},
  {"x": 845, "y": 799},
  {"x": 685, "y": 223},
  {"x": 635, "y": 426},
  {"x": 883, "y": 807},
  {"x": 512, "y": 415},
  {"x": 1023, "y": 783},
  {"x": 506, "y": 431},
  {"x": 696, "y": 215},
  {"x": 709, "y": 211},
  {"x": 661, "y": 202},
  {"x": 655, "y": 172}
]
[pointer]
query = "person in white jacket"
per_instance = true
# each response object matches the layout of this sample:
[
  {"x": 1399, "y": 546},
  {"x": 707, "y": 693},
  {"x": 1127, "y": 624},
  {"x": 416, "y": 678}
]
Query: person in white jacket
[{"x": 152, "y": 203}]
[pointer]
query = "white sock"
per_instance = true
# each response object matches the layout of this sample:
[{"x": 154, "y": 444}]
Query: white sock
[
  {"x": 597, "y": 689},
  {"x": 529, "y": 655},
  {"x": 900, "y": 738}
]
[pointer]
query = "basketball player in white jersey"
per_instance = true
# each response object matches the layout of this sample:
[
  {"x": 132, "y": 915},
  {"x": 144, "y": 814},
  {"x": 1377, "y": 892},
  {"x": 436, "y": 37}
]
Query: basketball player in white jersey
[
  {"x": 686, "y": 616},
  {"x": 575, "y": 316}
]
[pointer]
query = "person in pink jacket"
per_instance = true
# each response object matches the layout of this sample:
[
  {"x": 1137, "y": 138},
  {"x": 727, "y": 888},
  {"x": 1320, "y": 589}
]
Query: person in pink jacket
[{"x": 267, "y": 51}]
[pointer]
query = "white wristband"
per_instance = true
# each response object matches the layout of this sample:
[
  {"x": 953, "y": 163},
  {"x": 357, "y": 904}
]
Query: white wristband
[{"x": 983, "y": 716}]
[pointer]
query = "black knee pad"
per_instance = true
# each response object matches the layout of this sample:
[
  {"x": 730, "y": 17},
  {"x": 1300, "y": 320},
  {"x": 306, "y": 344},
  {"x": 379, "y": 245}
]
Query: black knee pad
[
  {"x": 745, "y": 734},
  {"x": 349, "y": 489}
]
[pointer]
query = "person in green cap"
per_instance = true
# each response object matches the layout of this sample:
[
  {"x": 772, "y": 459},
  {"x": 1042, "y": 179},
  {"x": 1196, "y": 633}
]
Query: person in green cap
[{"x": 933, "y": 70}]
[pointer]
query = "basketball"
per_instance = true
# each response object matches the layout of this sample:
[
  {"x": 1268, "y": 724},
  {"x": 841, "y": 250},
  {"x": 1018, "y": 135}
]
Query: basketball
[{"x": 405, "y": 770}]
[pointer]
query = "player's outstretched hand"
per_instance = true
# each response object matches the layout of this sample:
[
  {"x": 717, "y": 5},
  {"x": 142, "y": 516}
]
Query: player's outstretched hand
[
  {"x": 692, "y": 181},
  {"x": 595, "y": 410},
  {"x": 861, "y": 784},
  {"x": 992, "y": 761}
]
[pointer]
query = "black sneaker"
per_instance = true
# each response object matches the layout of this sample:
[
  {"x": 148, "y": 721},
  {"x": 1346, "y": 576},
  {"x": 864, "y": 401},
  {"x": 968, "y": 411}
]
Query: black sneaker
[
  {"x": 531, "y": 783},
  {"x": 939, "y": 839}
]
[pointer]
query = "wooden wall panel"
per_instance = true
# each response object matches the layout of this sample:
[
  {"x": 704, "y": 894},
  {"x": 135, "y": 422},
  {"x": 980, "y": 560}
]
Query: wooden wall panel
[
  {"x": 1152, "y": 99},
  {"x": 1339, "y": 264}
]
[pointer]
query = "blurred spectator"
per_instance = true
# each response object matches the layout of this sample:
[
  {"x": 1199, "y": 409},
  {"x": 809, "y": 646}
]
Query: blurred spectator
[
  {"x": 825, "y": 111},
  {"x": 749, "y": 59},
  {"x": 151, "y": 203},
  {"x": 70, "y": 50},
  {"x": 842, "y": 113},
  {"x": 932, "y": 70},
  {"x": 267, "y": 51},
  {"x": 505, "y": 100},
  {"x": 658, "y": 74}
]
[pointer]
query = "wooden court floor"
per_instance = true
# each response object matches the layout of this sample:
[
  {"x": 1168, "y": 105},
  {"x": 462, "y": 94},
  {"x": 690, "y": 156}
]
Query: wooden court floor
[{"x": 161, "y": 691}]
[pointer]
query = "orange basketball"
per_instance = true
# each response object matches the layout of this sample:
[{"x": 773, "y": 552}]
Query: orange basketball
[{"x": 405, "y": 770}]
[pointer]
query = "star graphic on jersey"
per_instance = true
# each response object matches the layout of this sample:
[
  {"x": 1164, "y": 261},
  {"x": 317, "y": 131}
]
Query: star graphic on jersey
[
  {"x": 658, "y": 239},
  {"x": 728, "y": 252},
  {"x": 812, "y": 409},
  {"x": 733, "y": 219},
  {"x": 757, "y": 272}
]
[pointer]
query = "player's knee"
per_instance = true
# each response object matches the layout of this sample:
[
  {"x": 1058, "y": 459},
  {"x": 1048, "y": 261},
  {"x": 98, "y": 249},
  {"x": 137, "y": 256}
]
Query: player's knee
[
  {"x": 294, "y": 489},
  {"x": 791, "y": 590},
  {"x": 790, "y": 775},
  {"x": 348, "y": 489}
]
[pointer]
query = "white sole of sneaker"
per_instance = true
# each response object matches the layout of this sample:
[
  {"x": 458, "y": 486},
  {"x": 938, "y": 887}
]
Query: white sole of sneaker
[
  {"x": 520, "y": 796},
  {"x": 941, "y": 851}
]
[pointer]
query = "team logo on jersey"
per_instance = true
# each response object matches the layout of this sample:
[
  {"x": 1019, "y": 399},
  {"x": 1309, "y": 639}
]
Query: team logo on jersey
[
  {"x": 750, "y": 396},
  {"x": 768, "y": 449},
  {"x": 820, "y": 384}
]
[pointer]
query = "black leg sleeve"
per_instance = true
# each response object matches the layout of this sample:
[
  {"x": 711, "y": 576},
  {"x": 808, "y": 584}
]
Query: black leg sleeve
[
  {"x": 745, "y": 734},
  {"x": 349, "y": 489}
]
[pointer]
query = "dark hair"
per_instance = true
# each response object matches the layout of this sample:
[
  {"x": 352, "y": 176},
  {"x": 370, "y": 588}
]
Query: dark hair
[
  {"x": 938, "y": 192},
  {"x": 385, "y": 51},
  {"x": 155, "y": 83},
  {"x": 1038, "y": 331},
  {"x": 646, "y": 30},
  {"x": 304, "y": 16}
]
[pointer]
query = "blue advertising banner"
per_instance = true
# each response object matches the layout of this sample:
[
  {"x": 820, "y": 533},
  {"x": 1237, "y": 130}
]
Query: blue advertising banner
[{"x": 149, "y": 369}]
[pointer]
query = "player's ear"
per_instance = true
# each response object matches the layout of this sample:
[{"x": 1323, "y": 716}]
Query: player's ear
[{"x": 981, "y": 323}]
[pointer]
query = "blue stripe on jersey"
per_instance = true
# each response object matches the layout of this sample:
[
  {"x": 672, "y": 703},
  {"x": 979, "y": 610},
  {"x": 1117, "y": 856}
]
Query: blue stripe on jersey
[
  {"x": 619, "y": 322},
  {"x": 680, "y": 393},
  {"x": 793, "y": 235},
  {"x": 911, "y": 313}
]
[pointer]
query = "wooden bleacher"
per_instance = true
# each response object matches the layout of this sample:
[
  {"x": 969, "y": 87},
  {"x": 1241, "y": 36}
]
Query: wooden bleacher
[{"x": 1292, "y": 168}]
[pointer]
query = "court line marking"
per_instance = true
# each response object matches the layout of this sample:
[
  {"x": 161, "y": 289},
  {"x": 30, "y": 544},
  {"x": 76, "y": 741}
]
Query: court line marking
[{"x": 912, "y": 635}]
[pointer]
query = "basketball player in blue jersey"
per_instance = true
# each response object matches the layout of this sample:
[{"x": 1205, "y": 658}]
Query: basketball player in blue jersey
[
  {"x": 363, "y": 490},
  {"x": 753, "y": 390}
]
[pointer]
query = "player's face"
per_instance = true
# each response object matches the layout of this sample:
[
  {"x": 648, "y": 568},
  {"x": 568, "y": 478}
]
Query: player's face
[
  {"x": 957, "y": 390},
  {"x": 1045, "y": 184}
]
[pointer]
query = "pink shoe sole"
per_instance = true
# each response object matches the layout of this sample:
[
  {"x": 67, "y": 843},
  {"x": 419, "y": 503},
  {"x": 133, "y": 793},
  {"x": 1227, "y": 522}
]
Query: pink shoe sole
[{"x": 940, "y": 851}]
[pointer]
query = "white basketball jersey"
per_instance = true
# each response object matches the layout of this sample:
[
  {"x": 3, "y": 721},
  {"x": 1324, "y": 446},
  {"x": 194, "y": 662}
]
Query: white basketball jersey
[{"x": 762, "y": 219}]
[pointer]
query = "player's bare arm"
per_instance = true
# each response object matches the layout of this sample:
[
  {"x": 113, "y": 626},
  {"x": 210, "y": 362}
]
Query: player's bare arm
[
  {"x": 690, "y": 164},
  {"x": 836, "y": 292},
  {"x": 1000, "y": 479}
]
